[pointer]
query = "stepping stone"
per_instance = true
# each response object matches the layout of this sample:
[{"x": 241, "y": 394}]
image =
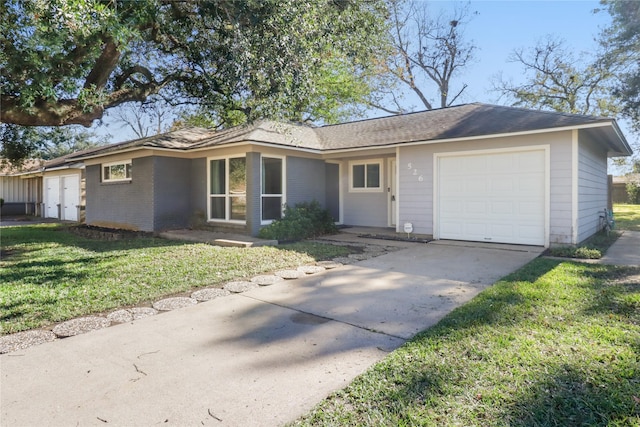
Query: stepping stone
[
  {"x": 266, "y": 280},
  {"x": 142, "y": 312},
  {"x": 80, "y": 325},
  {"x": 120, "y": 316},
  {"x": 329, "y": 264},
  {"x": 237, "y": 287},
  {"x": 289, "y": 274},
  {"x": 209, "y": 294},
  {"x": 311, "y": 269},
  {"x": 168, "y": 304},
  {"x": 22, "y": 340},
  {"x": 131, "y": 314}
]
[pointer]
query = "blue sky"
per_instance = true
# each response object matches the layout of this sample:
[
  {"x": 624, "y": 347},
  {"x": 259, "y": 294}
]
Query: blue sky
[{"x": 502, "y": 26}]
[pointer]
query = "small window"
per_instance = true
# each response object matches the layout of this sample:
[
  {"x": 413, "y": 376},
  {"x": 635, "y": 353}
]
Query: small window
[
  {"x": 113, "y": 172},
  {"x": 366, "y": 176}
]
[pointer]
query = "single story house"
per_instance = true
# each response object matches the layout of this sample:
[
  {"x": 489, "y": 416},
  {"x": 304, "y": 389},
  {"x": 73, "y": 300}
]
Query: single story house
[{"x": 473, "y": 172}]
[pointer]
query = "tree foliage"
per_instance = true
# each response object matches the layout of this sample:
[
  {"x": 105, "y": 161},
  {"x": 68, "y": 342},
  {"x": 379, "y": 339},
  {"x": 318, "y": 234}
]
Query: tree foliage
[
  {"x": 428, "y": 51},
  {"x": 67, "y": 61},
  {"x": 555, "y": 79},
  {"x": 22, "y": 142},
  {"x": 622, "y": 44}
]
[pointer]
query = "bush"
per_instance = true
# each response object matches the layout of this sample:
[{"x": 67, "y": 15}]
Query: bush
[
  {"x": 633, "y": 191},
  {"x": 303, "y": 221}
]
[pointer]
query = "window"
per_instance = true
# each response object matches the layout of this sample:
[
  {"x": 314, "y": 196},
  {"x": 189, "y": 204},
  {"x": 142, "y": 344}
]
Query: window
[
  {"x": 113, "y": 172},
  {"x": 228, "y": 189},
  {"x": 366, "y": 176},
  {"x": 272, "y": 188}
]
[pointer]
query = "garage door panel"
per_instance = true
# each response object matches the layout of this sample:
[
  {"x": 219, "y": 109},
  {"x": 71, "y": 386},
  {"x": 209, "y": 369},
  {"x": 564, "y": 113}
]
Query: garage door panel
[
  {"x": 497, "y": 197},
  {"x": 475, "y": 208}
]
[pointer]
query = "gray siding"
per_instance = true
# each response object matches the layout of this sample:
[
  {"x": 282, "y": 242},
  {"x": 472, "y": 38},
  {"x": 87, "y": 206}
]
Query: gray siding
[
  {"x": 416, "y": 197},
  {"x": 369, "y": 209},
  {"x": 592, "y": 186},
  {"x": 127, "y": 205},
  {"x": 561, "y": 196},
  {"x": 254, "y": 191},
  {"x": 305, "y": 180},
  {"x": 198, "y": 191},
  {"x": 332, "y": 191},
  {"x": 171, "y": 202}
]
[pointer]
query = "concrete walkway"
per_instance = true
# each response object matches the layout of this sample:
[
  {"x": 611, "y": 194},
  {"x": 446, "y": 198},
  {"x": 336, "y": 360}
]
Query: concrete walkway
[
  {"x": 263, "y": 357},
  {"x": 625, "y": 250}
]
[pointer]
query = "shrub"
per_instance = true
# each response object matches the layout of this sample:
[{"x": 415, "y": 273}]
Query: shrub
[
  {"x": 633, "y": 191},
  {"x": 303, "y": 221}
]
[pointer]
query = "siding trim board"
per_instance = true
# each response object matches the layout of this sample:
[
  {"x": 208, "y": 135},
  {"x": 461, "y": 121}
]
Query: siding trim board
[{"x": 574, "y": 186}]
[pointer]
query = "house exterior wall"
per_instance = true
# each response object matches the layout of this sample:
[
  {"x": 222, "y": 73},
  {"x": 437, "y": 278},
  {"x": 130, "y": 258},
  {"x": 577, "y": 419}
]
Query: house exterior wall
[
  {"x": 171, "y": 200},
  {"x": 305, "y": 180},
  {"x": 592, "y": 186},
  {"x": 198, "y": 191},
  {"x": 123, "y": 205},
  {"x": 369, "y": 209},
  {"x": 254, "y": 213},
  {"x": 417, "y": 174}
]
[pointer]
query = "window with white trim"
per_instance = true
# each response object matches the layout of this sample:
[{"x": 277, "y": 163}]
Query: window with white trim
[
  {"x": 366, "y": 176},
  {"x": 114, "y": 172},
  {"x": 228, "y": 189},
  {"x": 272, "y": 188}
]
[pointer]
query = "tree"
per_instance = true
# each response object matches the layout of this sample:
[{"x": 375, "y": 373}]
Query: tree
[
  {"x": 21, "y": 142},
  {"x": 554, "y": 79},
  {"x": 428, "y": 51},
  {"x": 67, "y": 62},
  {"x": 145, "y": 119},
  {"x": 622, "y": 44}
]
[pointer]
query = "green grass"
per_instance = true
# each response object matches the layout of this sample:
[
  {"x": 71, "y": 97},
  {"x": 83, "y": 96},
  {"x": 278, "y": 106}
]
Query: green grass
[
  {"x": 554, "y": 344},
  {"x": 627, "y": 217},
  {"x": 593, "y": 248},
  {"x": 49, "y": 275}
]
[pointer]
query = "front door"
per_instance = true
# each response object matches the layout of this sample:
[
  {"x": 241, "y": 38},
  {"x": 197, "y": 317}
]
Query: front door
[{"x": 391, "y": 191}]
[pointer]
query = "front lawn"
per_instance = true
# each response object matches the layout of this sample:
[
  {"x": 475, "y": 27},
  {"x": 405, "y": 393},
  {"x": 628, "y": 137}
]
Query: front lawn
[
  {"x": 627, "y": 216},
  {"x": 49, "y": 275},
  {"x": 554, "y": 344}
]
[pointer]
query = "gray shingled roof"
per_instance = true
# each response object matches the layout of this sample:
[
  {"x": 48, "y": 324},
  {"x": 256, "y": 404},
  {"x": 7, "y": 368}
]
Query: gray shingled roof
[
  {"x": 469, "y": 120},
  {"x": 447, "y": 123}
]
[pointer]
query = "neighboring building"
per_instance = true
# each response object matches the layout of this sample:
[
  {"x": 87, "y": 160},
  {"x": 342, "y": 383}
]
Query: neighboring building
[
  {"x": 21, "y": 188},
  {"x": 474, "y": 172},
  {"x": 619, "y": 188}
]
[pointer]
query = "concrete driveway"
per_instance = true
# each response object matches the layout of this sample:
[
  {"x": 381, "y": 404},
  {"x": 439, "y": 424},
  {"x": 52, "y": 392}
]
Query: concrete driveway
[{"x": 263, "y": 357}]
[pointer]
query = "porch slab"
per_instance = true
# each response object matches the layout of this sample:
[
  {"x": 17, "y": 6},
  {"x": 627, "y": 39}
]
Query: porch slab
[{"x": 217, "y": 239}]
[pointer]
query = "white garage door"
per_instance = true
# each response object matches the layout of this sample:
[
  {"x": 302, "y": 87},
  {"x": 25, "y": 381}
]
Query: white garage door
[{"x": 495, "y": 197}]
